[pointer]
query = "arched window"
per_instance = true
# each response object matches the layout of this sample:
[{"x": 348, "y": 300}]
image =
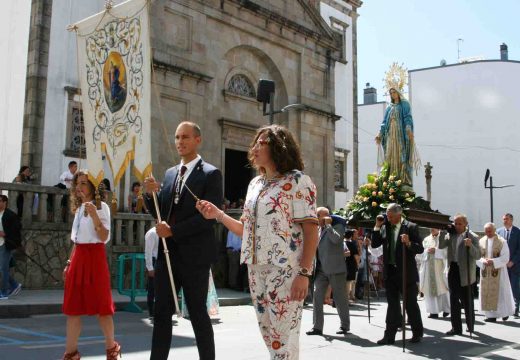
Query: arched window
[{"x": 240, "y": 85}]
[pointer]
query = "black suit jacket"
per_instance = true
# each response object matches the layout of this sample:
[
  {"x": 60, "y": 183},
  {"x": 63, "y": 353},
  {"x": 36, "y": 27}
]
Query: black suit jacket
[
  {"x": 193, "y": 241},
  {"x": 379, "y": 237},
  {"x": 12, "y": 229}
]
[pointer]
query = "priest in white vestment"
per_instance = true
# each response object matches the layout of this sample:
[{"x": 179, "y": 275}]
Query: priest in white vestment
[
  {"x": 433, "y": 280},
  {"x": 496, "y": 297}
]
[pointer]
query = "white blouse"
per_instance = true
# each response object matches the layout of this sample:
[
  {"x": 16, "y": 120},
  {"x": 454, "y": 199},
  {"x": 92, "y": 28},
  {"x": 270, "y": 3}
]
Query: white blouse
[{"x": 83, "y": 230}]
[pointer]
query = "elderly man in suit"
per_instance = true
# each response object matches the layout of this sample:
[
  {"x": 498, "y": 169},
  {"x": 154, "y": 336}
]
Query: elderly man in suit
[
  {"x": 393, "y": 233},
  {"x": 512, "y": 235},
  {"x": 330, "y": 269},
  {"x": 190, "y": 239},
  {"x": 461, "y": 242}
]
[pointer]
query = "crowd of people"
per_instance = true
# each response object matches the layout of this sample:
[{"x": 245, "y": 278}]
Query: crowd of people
[{"x": 282, "y": 248}]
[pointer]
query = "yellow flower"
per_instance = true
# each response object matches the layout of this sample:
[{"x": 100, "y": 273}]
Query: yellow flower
[
  {"x": 398, "y": 182},
  {"x": 406, "y": 195},
  {"x": 391, "y": 191},
  {"x": 374, "y": 193},
  {"x": 380, "y": 193},
  {"x": 391, "y": 197},
  {"x": 374, "y": 204},
  {"x": 392, "y": 177},
  {"x": 365, "y": 199},
  {"x": 385, "y": 184}
]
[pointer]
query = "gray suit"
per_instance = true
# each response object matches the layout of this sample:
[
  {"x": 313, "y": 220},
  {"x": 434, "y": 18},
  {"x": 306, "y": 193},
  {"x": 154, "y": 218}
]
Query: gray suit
[
  {"x": 332, "y": 270},
  {"x": 474, "y": 255},
  {"x": 460, "y": 291}
]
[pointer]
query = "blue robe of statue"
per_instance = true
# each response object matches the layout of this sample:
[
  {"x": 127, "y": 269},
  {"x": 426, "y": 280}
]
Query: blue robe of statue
[{"x": 400, "y": 153}]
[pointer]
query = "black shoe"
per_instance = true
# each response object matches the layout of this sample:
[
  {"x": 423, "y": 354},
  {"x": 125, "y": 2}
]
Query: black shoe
[
  {"x": 342, "y": 331},
  {"x": 433, "y": 316},
  {"x": 386, "y": 341},
  {"x": 416, "y": 339},
  {"x": 445, "y": 314},
  {"x": 491, "y": 320},
  {"x": 516, "y": 314},
  {"x": 452, "y": 332},
  {"x": 505, "y": 318},
  {"x": 314, "y": 331}
]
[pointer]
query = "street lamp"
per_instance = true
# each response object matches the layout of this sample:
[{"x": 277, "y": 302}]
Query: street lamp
[
  {"x": 491, "y": 187},
  {"x": 265, "y": 95}
]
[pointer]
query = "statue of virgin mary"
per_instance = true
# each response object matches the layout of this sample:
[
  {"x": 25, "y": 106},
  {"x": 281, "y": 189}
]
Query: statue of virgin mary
[{"x": 396, "y": 134}]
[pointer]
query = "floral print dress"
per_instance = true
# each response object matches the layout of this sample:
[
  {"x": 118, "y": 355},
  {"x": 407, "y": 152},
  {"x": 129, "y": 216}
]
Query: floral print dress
[{"x": 272, "y": 246}]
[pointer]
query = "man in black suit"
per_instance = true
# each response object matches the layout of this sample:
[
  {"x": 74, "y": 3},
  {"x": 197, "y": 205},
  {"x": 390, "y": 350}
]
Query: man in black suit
[
  {"x": 393, "y": 233},
  {"x": 190, "y": 239},
  {"x": 512, "y": 235},
  {"x": 10, "y": 239}
]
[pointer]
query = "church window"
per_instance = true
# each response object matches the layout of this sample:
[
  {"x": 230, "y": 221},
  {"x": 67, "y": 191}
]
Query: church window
[{"x": 240, "y": 85}]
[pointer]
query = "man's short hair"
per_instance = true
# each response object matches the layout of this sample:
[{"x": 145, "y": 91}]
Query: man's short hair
[
  {"x": 322, "y": 208},
  {"x": 509, "y": 215},
  {"x": 490, "y": 224},
  {"x": 194, "y": 126},
  {"x": 394, "y": 208},
  {"x": 461, "y": 216},
  {"x": 72, "y": 163},
  {"x": 4, "y": 198}
]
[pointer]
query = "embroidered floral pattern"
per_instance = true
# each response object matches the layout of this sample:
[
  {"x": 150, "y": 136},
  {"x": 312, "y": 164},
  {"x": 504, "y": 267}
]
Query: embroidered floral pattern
[{"x": 272, "y": 217}]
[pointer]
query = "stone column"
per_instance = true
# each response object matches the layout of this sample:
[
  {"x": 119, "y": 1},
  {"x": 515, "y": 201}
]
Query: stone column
[
  {"x": 355, "y": 140},
  {"x": 36, "y": 85}
]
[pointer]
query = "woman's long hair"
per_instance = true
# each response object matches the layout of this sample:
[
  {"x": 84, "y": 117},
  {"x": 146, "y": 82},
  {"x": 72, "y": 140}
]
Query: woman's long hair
[
  {"x": 284, "y": 150},
  {"x": 75, "y": 201}
]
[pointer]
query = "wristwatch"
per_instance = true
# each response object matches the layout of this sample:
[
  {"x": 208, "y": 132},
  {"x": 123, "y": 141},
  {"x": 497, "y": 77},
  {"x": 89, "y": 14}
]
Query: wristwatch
[{"x": 305, "y": 272}]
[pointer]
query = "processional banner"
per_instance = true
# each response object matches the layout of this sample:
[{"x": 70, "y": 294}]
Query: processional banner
[{"x": 115, "y": 78}]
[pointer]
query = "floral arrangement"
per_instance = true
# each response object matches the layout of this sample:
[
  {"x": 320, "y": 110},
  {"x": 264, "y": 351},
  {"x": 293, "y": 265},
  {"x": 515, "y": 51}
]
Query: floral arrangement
[{"x": 373, "y": 197}]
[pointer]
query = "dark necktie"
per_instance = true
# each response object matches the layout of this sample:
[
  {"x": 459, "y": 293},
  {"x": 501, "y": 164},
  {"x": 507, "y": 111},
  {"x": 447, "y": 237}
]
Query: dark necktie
[
  {"x": 177, "y": 192},
  {"x": 508, "y": 232},
  {"x": 391, "y": 245}
]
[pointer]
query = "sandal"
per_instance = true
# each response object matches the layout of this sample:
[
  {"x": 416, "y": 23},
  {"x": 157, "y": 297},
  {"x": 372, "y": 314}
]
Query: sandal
[
  {"x": 72, "y": 356},
  {"x": 114, "y": 351}
]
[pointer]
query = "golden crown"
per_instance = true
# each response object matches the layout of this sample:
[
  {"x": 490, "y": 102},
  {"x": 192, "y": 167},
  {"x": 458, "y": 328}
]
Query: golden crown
[{"x": 396, "y": 77}]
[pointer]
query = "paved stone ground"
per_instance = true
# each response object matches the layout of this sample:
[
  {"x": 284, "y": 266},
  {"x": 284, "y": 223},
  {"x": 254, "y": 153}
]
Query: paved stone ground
[{"x": 237, "y": 337}]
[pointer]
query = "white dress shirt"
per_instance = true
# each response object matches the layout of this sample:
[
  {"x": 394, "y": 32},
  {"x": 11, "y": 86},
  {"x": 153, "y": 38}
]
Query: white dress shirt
[{"x": 151, "y": 248}]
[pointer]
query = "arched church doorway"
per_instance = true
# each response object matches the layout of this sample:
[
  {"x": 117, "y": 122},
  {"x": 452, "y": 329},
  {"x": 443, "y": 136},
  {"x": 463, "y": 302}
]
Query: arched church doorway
[{"x": 238, "y": 174}]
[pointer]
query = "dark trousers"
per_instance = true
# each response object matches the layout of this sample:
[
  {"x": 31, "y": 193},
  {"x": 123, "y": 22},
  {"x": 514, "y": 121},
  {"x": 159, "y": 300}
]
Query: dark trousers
[
  {"x": 394, "y": 318},
  {"x": 150, "y": 292},
  {"x": 514, "y": 279},
  {"x": 459, "y": 298},
  {"x": 194, "y": 282},
  {"x": 150, "y": 295},
  {"x": 361, "y": 280}
]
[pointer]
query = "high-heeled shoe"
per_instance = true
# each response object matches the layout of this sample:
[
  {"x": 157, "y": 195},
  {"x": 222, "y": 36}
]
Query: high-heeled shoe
[
  {"x": 72, "y": 356},
  {"x": 114, "y": 351}
]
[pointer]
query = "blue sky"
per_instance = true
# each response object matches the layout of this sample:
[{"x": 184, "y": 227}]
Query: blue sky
[{"x": 419, "y": 33}]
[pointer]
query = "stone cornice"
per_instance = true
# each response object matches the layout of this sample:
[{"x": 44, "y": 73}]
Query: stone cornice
[
  {"x": 159, "y": 65},
  {"x": 325, "y": 37}
]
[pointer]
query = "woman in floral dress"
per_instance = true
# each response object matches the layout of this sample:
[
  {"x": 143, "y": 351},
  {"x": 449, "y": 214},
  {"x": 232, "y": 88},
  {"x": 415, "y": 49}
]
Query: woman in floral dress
[{"x": 279, "y": 229}]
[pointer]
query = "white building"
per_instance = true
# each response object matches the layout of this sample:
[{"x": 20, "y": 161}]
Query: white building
[{"x": 467, "y": 120}]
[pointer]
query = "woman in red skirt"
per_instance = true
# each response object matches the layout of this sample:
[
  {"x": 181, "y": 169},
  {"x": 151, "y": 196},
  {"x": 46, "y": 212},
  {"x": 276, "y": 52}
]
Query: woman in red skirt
[{"x": 86, "y": 276}]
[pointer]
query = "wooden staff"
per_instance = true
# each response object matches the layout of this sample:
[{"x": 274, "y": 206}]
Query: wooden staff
[
  {"x": 403, "y": 246},
  {"x": 469, "y": 316},
  {"x": 368, "y": 275},
  {"x": 166, "y": 254}
]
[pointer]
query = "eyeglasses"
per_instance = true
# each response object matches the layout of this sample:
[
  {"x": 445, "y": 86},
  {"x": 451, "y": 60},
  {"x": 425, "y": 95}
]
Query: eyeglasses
[{"x": 261, "y": 142}]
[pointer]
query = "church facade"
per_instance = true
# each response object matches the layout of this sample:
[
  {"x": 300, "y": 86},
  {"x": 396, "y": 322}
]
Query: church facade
[{"x": 208, "y": 57}]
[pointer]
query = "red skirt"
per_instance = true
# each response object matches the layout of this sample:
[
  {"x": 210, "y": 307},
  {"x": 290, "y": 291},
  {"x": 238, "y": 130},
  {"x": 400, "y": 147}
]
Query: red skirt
[{"x": 87, "y": 283}]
